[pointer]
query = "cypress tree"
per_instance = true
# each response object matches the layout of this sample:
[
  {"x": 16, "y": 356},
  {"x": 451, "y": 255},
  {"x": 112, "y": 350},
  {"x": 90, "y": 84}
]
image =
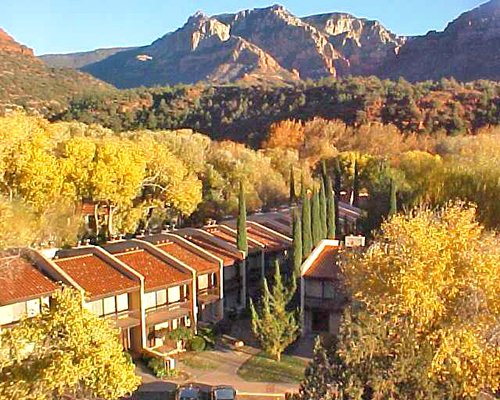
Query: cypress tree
[
  {"x": 316, "y": 218},
  {"x": 355, "y": 185},
  {"x": 241, "y": 228},
  {"x": 330, "y": 210},
  {"x": 297, "y": 243},
  {"x": 337, "y": 189},
  {"x": 307, "y": 243},
  {"x": 292, "y": 187},
  {"x": 393, "y": 199},
  {"x": 323, "y": 209}
]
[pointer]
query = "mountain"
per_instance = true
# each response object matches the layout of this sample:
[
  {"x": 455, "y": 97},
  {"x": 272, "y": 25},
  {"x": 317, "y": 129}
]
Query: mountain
[
  {"x": 365, "y": 44},
  {"x": 272, "y": 45},
  {"x": 27, "y": 81},
  {"x": 203, "y": 49},
  {"x": 467, "y": 49},
  {"x": 79, "y": 60}
]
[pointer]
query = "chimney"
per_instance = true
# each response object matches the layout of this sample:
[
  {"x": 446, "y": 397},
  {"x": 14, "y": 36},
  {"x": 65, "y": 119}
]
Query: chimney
[{"x": 86, "y": 242}]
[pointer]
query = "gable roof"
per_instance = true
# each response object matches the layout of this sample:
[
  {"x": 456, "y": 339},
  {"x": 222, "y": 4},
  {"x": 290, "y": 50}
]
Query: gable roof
[
  {"x": 94, "y": 273},
  {"x": 230, "y": 235},
  {"x": 323, "y": 262},
  {"x": 157, "y": 271},
  {"x": 20, "y": 281},
  {"x": 270, "y": 238}
]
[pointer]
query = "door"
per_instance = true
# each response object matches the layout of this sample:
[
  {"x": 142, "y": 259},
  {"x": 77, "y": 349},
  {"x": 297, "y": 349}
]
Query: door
[{"x": 320, "y": 321}]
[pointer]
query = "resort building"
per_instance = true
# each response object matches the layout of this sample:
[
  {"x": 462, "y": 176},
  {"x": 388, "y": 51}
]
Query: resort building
[{"x": 322, "y": 295}]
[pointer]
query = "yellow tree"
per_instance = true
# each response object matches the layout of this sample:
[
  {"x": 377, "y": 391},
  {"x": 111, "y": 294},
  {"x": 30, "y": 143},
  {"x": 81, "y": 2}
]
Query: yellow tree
[
  {"x": 428, "y": 294},
  {"x": 65, "y": 352}
]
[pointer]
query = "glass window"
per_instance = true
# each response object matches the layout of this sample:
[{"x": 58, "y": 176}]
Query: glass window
[
  {"x": 203, "y": 281},
  {"x": 174, "y": 294},
  {"x": 328, "y": 290},
  {"x": 314, "y": 288},
  {"x": 161, "y": 297},
  {"x": 109, "y": 305},
  {"x": 150, "y": 300},
  {"x": 95, "y": 307},
  {"x": 33, "y": 307},
  {"x": 122, "y": 302}
]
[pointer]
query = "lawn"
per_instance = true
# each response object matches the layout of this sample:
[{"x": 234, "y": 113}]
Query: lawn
[
  {"x": 261, "y": 368},
  {"x": 199, "y": 360}
]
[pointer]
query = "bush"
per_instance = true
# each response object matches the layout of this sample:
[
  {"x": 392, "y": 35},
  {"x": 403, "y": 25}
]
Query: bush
[
  {"x": 197, "y": 344},
  {"x": 157, "y": 366},
  {"x": 208, "y": 334}
]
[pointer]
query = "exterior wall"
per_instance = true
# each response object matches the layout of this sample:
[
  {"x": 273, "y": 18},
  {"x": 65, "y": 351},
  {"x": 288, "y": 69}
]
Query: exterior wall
[{"x": 14, "y": 312}]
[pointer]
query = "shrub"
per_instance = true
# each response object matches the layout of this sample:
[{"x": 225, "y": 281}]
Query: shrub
[
  {"x": 157, "y": 366},
  {"x": 197, "y": 344}
]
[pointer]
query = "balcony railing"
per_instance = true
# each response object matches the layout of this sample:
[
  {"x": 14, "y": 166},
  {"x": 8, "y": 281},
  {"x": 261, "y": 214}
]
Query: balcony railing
[
  {"x": 125, "y": 319},
  {"x": 334, "y": 304},
  {"x": 168, "y": 311},
  {"x": 208, "y": 295}
]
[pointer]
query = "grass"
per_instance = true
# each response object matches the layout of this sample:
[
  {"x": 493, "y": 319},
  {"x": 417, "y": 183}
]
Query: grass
[
  {"x": 198, "y": 360},
  {"x": 261, "y": 368}
]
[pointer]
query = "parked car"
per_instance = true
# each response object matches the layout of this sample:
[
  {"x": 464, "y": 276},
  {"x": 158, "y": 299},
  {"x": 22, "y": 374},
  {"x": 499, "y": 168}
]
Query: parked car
[
  {"x": 188, "y": 392},
  {"x": 222, "y": 393}
]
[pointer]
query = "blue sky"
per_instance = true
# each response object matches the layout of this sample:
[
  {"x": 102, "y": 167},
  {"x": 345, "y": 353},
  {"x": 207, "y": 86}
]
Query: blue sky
[{"x": 62, "y": 26}]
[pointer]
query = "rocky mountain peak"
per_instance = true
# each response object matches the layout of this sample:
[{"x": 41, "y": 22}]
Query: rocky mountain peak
[{"x": 7, "y": 43}]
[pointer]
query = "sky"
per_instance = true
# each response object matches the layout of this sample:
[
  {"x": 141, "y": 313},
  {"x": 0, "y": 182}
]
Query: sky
[{"x": 64, "y": 26}]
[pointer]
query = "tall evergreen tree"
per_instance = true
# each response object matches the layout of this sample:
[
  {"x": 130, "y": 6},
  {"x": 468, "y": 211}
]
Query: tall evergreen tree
[
  {"x": 241, "y": 228},
  {"x": 292, "y": 187},
  {"x": 355, "y": 185},
  {"x": 393, "y": 199},
  {"x": 323, "y": 209},
  {"x": 297, "y": 243},
  {"x": 274, "y": 326},
  {"x": 337, "y": 189},
  {"x": 316, "y": 218},
  {"x": 307, "y": 240},
  {"x": 330, "y": 210}
]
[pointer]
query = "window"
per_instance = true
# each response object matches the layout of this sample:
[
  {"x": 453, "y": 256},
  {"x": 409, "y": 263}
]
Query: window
[
  {"x": 174, "y": 294},
  {"x": 150, "y": 300},
  {"x": 6, "y": 314},
  {"x": 161, "y": 297},
  {"x": 314, "y": 289},
  {"x": 122, "y": 302},
  {"x": 203, "y": 281},
  {"x": 328, "y": 290},
  {"x": 109, "y": 305},
  {"x": 96, "y": 307}
]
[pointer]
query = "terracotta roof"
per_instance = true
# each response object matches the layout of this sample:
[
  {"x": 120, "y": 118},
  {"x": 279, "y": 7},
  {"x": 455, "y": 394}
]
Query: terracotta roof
[
  {"x": 276, "y": 226},
  {"x": 229, "y": 237},
  {"x": 272, "y": 242},
  {"x": 21, "y": 281},
  {"x": 205, "y": 242},
  {"x": 325, "y": 265},
  {"x": 157, "y": 272},
  {"x": 96, "y": 276},
  {"x": 188, "y": 256}
]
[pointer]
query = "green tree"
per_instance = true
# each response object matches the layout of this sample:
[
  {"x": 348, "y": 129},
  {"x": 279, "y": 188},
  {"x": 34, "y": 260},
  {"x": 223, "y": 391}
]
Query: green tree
[
  {"x": 65, "y": 352},
  {"x": 297, "y": 243},
  {"x": 393, "y": 208},
  {"x": 242, "y": 241},
  {"x": 316, "y": 218},
  {"x": 292, "y": 196},
  {"x": 307, "y": 240},
  {"x": 274, "y": 326},
  {"x": 323, "y": 209},
  {"x": 330, "y": 211}
]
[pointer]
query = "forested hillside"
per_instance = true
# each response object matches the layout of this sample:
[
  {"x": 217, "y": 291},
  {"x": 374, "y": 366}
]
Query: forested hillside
[{"x": 244, "y": 113}]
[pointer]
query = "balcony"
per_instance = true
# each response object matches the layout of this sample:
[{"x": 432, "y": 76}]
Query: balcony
[
  {"x": 168, "y": 312},
  {"x": 125, "y": 319},
  {"x": 332, "y": 304},
  {"x": 208, "y": 296}
]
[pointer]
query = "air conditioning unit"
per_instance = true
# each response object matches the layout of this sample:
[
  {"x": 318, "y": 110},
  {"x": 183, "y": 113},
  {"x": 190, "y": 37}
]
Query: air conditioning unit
[{"x": 355, "y": 241}]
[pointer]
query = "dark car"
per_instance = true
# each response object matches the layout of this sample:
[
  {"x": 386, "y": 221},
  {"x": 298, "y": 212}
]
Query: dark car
[
  {"x": 188, "y": 392},
  {"x": 222, "y": 393}
]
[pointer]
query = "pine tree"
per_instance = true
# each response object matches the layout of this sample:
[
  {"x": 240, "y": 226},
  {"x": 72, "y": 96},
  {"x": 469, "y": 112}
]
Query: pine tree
[
  {"x": 323, "y": 209},
  {"x": 297, "y": 243},
  {"x": 274, "y": 326},
  {"x": 241, "y": 236},
  {"x": 330, "y": 210},
  {"x": 292, "y": 187},
  {"x": 393, "y": 200},
  {"x": 307, "y": 242},
  {"x": 316, "y": 218}
]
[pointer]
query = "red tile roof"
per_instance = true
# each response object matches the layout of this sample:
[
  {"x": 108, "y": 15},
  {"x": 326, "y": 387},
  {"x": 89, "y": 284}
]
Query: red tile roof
[
  {"x": 188, "y": 256},
  {"x": 21, "y": 281},
  {"x": 229, "y": 237},
  {"x": 210, "y": 244},
  {"x": 96, "y": 276},
  {"x": 272, "y": 242},
  {"x": 157, "y": 272},
  {"x": 325, "y": 265}
]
